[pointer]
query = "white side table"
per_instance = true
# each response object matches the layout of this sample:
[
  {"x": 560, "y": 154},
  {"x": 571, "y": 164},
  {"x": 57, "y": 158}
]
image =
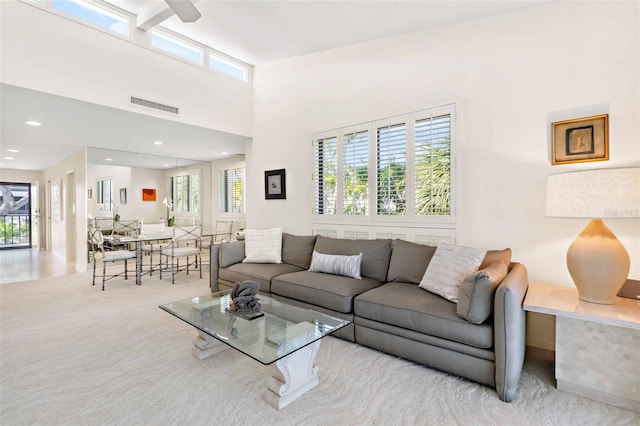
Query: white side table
[{"x": 597, "y": 346}]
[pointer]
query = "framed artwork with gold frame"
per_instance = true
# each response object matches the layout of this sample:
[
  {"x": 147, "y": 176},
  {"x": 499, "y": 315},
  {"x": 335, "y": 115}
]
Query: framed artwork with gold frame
[{"x": 580, "y": 140}]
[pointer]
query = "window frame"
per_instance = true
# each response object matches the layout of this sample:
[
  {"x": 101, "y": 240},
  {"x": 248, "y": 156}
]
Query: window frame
[
  {"x": 373, "y": 218},
  {"x": 180, "y": 41},
  {"x": 229, "y": 195},
  {"x": 219, "y": 56},
  {"x": 108, "y": 8},
  {"x": 171, "y": 177}
]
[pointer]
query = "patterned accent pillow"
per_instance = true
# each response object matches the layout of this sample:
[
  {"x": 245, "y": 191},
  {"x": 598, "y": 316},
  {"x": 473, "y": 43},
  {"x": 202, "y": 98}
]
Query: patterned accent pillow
[
  {"x": 449, "y": 267},
  {"x": 263, "y": 245},
  {"x": 348, "y": 266}
]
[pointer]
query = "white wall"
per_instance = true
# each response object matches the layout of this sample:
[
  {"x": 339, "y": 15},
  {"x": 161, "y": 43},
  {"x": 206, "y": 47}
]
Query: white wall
[
  {"x": 52, "y": 54},
  {"x": 75, "y": 163},
  {"x": 516, "y": 73}
]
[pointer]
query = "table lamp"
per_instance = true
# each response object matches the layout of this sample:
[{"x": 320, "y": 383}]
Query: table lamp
[{"x": 597, "y": 261}]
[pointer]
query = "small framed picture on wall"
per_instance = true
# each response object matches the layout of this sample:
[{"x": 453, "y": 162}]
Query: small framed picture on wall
[
  {"x": 580, "y": 140},
  {"x": 275, "y": 185}
]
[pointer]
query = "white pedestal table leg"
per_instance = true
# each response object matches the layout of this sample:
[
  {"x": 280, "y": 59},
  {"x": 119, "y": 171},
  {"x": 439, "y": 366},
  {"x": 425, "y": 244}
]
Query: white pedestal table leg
[
  {"x": 297, "y": 376},
  {"x": 205, "y": 346}
]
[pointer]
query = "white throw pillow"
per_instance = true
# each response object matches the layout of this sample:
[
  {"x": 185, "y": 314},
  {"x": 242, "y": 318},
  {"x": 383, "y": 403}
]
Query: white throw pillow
[
  {"x": 449, "y": 267},
  {"x": 263, "y": 245},
  {"x": 348, "y": 266}
]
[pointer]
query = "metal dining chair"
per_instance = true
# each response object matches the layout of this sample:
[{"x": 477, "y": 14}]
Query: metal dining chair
[
  {"x": 156, "y": 236},
  {"x": 185, "y": 242},
  {"x": 99, "y": 254}
]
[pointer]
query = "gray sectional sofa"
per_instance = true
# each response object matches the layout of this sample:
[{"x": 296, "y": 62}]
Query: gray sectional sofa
[{"x": 387, "y": 308}]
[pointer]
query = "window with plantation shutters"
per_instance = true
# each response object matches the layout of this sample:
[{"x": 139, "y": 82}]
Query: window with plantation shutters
[
  {"x": 398, "y": 170},
  {"x": 433, "y": 165},
  {"x": 325, "y": 155},
  {"x": 232, "y": 186},
  {"x": 184, "y": 192},
  {"x": 391, "y": 169},
  {"x": 355, "y": 173}
]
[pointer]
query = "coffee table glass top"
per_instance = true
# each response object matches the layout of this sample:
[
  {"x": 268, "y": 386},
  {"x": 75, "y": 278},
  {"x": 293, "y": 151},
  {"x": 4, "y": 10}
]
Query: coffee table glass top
[{"x": 282, "y": 330}]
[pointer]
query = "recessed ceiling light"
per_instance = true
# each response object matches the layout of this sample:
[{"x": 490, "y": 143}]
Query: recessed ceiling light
[
  {"x": 108, "y": 159},
  {"x": 224, "y": 153},
  {"x": 157, "y": 142},
  {"x": 8, "y": 158},
  {"x": 33, "y": 123},
  {"x": 12, "y": 150},
  {"x": 165, "y": 165}
]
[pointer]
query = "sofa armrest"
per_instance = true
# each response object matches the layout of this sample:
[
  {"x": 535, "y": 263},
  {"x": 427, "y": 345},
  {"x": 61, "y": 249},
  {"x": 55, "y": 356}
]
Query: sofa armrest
[
  {"x": 510, "y": 330},
  {"x": 214, "y": 263}
]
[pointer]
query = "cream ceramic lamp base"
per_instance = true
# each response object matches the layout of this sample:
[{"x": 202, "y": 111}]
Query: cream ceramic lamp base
[{"x": 598, "y": 263}]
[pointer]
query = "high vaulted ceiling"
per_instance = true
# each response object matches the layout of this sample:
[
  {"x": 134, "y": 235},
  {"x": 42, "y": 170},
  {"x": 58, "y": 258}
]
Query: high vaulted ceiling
[
  {"x": 253, "y": 31},
  {"x": 260, "y": 31}
]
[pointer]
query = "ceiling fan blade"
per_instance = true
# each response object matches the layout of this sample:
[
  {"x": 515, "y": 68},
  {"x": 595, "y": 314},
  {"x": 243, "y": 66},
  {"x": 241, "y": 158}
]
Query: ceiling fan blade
[{"x": 184, "y": 9}]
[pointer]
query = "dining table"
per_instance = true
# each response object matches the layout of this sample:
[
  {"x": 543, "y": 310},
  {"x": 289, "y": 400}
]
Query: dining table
[{"x": 138, "y": 241}]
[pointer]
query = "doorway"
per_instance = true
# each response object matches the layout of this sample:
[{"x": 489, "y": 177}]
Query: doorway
[{"x": 15, "y": 215}]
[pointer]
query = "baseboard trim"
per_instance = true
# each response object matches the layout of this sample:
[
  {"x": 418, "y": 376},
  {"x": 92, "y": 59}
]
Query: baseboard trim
[{"x": 606, "y": 398}]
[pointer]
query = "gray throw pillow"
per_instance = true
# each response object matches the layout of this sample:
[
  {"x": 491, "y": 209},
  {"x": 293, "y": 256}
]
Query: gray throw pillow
[
  {"x": 475, "y": 299},
  {"x": 297, "y": 249},
  {"x": 231, "y": 253},
  {"x": 409, "y": 261},
  {"x": 348, "y": 266}
]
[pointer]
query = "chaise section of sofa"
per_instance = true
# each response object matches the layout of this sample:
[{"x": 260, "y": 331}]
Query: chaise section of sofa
[{"x": 405, "y": 320}]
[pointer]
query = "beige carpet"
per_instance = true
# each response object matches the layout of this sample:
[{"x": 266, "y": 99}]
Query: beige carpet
[{"x": 74, "y": 355}]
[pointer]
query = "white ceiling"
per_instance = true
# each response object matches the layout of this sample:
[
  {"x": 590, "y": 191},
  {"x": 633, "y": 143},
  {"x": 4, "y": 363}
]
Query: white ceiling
[
  {"x": 260, "y": 31},
  {"x": 68, "y": 125},
  {"x": 253, "y": 31}
]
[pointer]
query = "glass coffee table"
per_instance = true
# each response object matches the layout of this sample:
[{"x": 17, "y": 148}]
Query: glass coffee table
[{"x": 283, "y": 333}]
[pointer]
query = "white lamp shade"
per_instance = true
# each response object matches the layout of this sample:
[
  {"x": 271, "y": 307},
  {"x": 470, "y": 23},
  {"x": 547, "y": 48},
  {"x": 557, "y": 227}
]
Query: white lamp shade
[{"x": 597, "y": 193}]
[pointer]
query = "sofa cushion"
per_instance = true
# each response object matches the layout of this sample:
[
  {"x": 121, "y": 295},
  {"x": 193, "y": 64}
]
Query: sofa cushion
[
  {"x": 231, "y": 253},
  {"x": 449, "y": 267},
  {"x": 329, "y": 291},
  {"x": 337, "y": 264},
  {"x": 262, "y": 273},
  {"x": 375, "y": 253},
  {"x": 408, "y": 306},
  {"x": 297, "y": 249},
  {"x": 409, "y": 261},
  {"x": 475, "y": 299},
  {"x": 263, "y": 245},
  {"x": 494, "y": 256}
]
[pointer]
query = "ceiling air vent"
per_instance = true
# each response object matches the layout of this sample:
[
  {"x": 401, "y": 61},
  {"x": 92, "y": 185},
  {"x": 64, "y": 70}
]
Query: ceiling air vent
[{"x": 154, "y": 105}]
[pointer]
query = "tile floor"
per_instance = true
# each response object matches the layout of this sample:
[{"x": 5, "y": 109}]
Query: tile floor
[{"x": 29, "y": 264}]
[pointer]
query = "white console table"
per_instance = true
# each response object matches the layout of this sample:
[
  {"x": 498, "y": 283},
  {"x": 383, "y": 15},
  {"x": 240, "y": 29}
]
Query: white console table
[{"x": 597, "y": 346}]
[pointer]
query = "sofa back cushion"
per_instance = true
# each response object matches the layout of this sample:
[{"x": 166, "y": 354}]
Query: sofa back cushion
[
  {"x": 231, "y": 253},
  {"x": 297, "y": 249},
  {"x": 375, "y": 253},
  {"x": 409, "y": 261}
]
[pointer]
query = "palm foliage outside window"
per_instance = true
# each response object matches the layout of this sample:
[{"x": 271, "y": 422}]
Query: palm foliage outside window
[
  {"x": 184, "y": 192},
  {"x": 403, "y": 172}
]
